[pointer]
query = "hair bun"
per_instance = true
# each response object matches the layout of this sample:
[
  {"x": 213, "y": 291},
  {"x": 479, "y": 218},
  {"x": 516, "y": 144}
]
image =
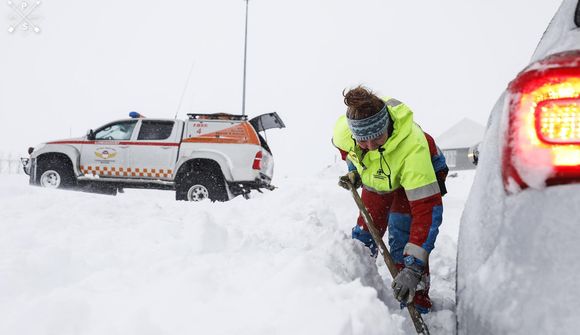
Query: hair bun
[
  {"x": 361, "y": 102},
  {"x": 358, "y": 97}
]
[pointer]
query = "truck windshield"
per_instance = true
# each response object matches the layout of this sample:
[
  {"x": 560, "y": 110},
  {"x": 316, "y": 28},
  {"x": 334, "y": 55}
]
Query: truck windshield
[{"x": 116, "y": 131}]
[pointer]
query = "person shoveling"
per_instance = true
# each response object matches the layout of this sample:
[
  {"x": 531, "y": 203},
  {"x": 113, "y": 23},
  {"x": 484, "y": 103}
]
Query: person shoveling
[{"x": 402, "y": 174}]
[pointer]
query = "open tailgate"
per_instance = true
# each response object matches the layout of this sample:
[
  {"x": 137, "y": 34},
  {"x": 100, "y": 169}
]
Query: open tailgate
[{"x": 267, "y": 121}]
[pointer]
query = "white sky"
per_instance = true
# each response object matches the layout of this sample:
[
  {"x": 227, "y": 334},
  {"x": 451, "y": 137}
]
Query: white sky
[{"x": 95, "y": 61}]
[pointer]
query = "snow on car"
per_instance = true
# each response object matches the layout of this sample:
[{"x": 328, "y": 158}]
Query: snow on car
[
  {"x": 207, "y": 156},
  {"x": 518, "y": 245}
]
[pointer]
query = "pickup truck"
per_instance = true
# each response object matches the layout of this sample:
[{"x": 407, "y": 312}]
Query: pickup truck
[{"x": 208, "y": 156}]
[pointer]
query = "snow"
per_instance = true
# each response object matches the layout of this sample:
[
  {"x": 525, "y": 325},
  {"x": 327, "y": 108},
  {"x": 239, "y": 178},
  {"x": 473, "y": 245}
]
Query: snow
[
  {"x": 463, "y": 134},
  {"x": 561, "y": 35},
  {"x": 141, "y": 263}
]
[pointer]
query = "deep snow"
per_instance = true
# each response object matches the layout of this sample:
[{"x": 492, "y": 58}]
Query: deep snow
[{"x": 142, "y": 263}]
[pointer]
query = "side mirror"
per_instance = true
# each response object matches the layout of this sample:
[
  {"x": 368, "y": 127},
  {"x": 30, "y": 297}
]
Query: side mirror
[
  {"x": 473, "y": 154},
  {"x": 90, "y": 135}
]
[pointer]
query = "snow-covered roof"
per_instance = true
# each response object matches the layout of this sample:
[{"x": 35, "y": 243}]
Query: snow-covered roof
[{"x": 463, "y": 134}]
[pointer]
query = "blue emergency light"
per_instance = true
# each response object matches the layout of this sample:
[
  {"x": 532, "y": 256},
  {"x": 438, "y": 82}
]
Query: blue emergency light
[{"x": 135, "y": 115}]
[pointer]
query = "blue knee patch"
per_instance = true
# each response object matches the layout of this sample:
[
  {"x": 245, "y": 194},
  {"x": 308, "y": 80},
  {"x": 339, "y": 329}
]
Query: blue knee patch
[
  {"x": 434, "y": 230},
  {"x": 366, "y": 238},
  {"x": 399, "y": 228}
]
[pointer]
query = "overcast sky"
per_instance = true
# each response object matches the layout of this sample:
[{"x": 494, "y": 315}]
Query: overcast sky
[{"x": 95, "y": 61}]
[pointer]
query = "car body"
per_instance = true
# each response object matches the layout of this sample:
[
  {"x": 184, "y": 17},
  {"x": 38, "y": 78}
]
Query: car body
[
  {"x": 215, "y": 156},
  {"x": 519, "y": 237}
]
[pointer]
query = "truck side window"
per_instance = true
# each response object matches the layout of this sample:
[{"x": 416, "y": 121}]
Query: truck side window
[
  {"x": 155, "y": 130},
  {"x": 116, "y": 131}
]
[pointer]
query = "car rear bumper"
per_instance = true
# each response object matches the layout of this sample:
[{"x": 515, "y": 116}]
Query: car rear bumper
[{"x": 245, "y": 187}]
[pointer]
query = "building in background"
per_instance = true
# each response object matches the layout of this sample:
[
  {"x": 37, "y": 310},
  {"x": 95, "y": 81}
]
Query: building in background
[{"x": 457, "y": 141}]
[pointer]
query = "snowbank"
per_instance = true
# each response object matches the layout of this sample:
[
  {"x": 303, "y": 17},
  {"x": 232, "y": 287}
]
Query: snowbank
[{"x": 142, "y": 263}]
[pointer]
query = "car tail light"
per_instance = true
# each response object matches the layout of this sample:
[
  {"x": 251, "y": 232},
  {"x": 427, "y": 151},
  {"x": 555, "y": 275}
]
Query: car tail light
[
  {"x": 257, "y": 165},
  {"x": 558, "y": 121},
  {"x": 543, "y": 142}
]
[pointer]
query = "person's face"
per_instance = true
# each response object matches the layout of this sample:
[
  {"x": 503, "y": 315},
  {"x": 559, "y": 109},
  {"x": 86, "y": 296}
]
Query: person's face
[{"x": 373, "y": 143}]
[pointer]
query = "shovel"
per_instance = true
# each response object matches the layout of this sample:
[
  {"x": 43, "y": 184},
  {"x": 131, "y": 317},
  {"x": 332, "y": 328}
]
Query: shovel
[{"x": 418, "y": 322}]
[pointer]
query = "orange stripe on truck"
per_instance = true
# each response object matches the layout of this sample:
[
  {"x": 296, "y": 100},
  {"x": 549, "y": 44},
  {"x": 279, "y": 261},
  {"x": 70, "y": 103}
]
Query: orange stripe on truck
[
  {"x": 242, "y": 133},
  {"x": 118, "y": 171}
]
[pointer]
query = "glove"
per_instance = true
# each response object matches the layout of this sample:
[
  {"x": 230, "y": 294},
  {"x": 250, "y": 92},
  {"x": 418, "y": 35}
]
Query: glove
[
  {"x": 405, "y": 283},
  {"x": 351, "y": 178}
]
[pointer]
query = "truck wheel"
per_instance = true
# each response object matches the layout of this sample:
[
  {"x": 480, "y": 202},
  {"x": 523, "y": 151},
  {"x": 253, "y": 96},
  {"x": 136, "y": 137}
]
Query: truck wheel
[
  {"x": 197, "y": 192},
  {"x": 56, "y": 173},
  {"x": 199, "y": 187}
]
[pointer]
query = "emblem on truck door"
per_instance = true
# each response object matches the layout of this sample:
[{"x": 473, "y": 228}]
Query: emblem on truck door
[{"x": 106, "y": 153}]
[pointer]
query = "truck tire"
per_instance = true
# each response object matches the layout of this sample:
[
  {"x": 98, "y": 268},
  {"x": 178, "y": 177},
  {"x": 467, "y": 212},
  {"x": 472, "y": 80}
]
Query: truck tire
[
  {"x": 56, "y": 173},
  {"x": 196, "y": 186}
]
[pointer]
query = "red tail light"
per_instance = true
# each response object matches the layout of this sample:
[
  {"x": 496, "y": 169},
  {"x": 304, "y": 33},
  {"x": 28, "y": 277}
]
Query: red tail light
[
  {"x": 257, "y": 161},
  {"x": 543, "y": 142}
]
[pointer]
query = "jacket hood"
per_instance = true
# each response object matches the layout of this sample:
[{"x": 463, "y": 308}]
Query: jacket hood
[{"x": 402, "y": 118}]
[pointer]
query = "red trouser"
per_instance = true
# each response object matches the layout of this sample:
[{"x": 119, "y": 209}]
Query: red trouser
[
  {"x": 381, "y": 205},
  {"x": 393, "y": 210}
]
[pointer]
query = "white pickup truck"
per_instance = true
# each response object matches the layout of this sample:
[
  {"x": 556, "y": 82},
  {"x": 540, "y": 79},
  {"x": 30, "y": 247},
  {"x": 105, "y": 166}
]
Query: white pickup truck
[{"x": 207, "y": 156}]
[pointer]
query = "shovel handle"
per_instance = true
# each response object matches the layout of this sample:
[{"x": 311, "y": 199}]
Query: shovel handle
[{"x": 418, "y": 322}]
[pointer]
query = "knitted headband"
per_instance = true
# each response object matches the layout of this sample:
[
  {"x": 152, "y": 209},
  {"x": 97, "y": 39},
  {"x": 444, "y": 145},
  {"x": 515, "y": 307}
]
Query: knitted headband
[{"x": 370, "y": 127}]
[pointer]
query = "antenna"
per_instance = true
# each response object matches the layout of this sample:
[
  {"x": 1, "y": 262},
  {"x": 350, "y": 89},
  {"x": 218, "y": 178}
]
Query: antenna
[
  {"x": 184, "y": 89},
  {"x": 245, "y": 54}
]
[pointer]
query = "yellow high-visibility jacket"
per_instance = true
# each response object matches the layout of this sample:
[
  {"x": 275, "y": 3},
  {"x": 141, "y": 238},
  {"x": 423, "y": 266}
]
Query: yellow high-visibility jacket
[{"x": 404, "y": 161}]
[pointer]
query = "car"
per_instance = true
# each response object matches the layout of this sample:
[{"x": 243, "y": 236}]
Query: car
[
  {"x": 519, "y": 239},
  {"x": 208, "y": 156}
]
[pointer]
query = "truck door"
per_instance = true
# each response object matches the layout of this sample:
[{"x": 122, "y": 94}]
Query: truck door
[
  {"x": 107, "y": 154},
  {"x": 154, "y": 153}
]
